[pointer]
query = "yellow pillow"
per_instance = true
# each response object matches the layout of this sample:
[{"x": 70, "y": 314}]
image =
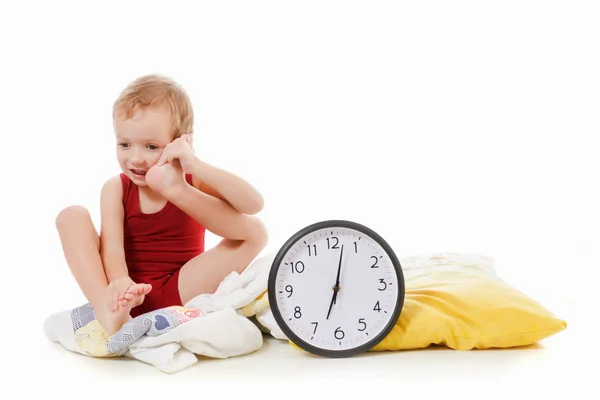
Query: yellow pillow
[{"x": 458, "y": 301}]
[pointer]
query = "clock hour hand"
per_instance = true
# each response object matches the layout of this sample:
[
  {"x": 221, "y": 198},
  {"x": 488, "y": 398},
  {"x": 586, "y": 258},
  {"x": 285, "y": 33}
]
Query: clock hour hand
[
  {"x": 331, "y": 304},
  {"x": 336, "y": 287}
]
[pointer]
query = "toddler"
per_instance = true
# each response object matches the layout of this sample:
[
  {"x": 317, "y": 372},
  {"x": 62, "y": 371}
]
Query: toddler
[{"x": 150, "y": 250}]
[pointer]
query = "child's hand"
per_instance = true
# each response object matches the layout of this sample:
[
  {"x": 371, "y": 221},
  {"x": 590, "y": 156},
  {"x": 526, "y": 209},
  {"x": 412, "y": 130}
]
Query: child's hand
[{"x": 179, "y": 149}]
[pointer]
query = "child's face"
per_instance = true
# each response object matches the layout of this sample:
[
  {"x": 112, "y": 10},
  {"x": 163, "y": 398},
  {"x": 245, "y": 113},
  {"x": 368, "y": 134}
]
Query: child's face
[{"x": 141, "y": 140}]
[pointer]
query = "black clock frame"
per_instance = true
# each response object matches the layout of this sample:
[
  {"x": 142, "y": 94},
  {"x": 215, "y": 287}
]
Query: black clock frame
[{"x": 277, "y": 261}]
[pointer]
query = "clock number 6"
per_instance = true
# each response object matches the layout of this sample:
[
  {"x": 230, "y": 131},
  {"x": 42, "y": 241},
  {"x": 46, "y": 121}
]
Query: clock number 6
[{"x": 339, "y": 334}]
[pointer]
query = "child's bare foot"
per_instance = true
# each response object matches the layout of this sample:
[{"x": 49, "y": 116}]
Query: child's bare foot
[
  {"x": 122, "y": 295},
  {"x": 135, "y": 293},
  {"x": 164, "y": 178}
]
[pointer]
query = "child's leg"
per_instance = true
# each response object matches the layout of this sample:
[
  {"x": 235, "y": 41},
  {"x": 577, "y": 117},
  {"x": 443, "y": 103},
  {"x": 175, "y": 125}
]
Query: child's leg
[
  {"x": 81, "y": 246},
  {"x": 245, "y": 236},
  {"x": 205, "y": 272}
]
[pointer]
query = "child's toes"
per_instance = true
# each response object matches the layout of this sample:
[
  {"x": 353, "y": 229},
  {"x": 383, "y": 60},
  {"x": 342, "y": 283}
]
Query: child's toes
[{"x": 132, "y": 291}]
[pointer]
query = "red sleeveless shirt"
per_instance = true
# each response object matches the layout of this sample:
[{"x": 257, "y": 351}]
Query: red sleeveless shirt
[{"x": 157, "y": 244}]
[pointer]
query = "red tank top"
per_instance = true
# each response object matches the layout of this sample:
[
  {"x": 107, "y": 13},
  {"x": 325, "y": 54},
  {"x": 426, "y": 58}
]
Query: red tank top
[{"x": 160, "y": 242}]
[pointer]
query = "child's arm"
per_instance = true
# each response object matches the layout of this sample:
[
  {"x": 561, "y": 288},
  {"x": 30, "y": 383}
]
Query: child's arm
[
  {"x": 228, "y": 187},
  {"x": 212, "y": 180},
  {"x": 111, "y": 231}
]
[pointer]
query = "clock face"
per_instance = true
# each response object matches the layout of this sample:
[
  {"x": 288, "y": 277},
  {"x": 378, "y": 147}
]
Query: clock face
[{"x": 336, "y": 288}]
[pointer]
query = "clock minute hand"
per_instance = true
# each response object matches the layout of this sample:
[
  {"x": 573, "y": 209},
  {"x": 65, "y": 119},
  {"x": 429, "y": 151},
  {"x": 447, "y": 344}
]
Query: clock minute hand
[
  {"x": 336, "y": 287},
  {"x": 337, "y": 281}
]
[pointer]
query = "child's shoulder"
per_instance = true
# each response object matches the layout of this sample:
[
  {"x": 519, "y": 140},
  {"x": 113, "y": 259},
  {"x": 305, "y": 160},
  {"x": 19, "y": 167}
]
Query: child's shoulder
[
  {"x": 111, "y": 195},
  {"x": 113, "y": 186}
]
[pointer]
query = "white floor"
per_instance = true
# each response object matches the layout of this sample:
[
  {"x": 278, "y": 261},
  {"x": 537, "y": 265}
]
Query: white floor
[
  {"x": 553, "y": 366},
  {"x": 276, "y": 359},
  {"x": 560, "y": 364}
]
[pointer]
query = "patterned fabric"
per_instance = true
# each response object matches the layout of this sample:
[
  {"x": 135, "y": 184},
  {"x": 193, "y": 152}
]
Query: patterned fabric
[
  {"x": 82, "y": 316},
  {"x": 92, "y": 339}
]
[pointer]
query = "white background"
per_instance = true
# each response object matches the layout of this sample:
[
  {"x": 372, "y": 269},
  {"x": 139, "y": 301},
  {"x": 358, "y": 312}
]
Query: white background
[{"x": 465, "y": 126}]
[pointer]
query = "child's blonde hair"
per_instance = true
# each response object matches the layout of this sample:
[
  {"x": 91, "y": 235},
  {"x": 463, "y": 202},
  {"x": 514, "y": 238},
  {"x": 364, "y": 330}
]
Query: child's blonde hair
[{"x": 158, "y": 90}]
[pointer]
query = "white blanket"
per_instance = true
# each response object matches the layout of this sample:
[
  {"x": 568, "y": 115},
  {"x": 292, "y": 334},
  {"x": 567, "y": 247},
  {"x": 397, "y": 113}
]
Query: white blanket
[{"x": 225, "y": 324}]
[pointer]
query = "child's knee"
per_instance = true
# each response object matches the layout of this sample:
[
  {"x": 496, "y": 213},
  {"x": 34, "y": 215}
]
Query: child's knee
[
  {"x": 260, "y": 236},
  {"x": 71, "y": 214}
]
